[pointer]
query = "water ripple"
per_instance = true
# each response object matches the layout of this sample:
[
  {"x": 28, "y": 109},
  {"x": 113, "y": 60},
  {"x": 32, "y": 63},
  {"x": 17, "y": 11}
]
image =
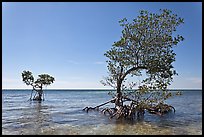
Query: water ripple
[{"x": 61, "y": 113}]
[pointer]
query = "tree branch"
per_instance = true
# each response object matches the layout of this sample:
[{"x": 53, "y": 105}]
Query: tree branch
[{"x": 132, "y": 69}]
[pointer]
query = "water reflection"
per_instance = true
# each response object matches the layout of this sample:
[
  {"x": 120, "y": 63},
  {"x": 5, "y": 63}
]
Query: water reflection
[
  {"x": 34, "y": 117},
  {"x": 41, "y": 114}
]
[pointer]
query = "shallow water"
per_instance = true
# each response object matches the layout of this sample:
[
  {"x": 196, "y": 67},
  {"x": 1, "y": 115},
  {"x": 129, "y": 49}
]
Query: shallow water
[{"x": 61, "y": 113}]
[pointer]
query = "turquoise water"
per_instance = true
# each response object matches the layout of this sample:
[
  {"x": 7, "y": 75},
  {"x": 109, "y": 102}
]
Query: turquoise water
[{"x": 61, "y": 113}]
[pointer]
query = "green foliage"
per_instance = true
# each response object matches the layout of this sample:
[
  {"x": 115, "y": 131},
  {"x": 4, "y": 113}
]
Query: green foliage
[
  {"x": 43, "y": 80},
  {"x": 27, "y": 77},
  {"x": 146, "y": 45}
]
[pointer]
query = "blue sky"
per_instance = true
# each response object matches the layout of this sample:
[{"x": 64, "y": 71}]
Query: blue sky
[{"x": 68, "y": 40}]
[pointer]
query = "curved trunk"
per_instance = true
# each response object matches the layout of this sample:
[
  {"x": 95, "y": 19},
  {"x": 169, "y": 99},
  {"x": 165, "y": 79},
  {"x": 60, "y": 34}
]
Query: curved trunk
[{"x": 122, "y": 76}]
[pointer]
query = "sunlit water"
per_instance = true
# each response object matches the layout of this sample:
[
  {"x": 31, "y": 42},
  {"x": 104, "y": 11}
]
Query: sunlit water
[{"x": 61, "y": 113}]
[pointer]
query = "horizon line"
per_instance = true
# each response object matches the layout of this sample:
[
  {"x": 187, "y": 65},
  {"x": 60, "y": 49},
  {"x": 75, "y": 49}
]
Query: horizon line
[{"x": 93, "y": 89}]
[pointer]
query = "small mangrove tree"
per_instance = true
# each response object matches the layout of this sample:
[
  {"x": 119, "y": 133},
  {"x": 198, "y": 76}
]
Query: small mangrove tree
[{"x": 43, "y": 80}]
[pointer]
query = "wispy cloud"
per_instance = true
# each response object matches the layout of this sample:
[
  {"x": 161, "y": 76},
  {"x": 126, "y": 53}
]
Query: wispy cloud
[
  {"x": 72, "y": 62},
  {"x": 75, "y": 78},
  {"x": 99, "y": 63},
  {"x": 10, "y": 80},
  {"x": 77, "y": 63},
  {"x": 196, "y": 80},
  {"x": 75, "y": 84},
  {"x": 10, "y": 83},
  {"x": 187, "y": 82}
]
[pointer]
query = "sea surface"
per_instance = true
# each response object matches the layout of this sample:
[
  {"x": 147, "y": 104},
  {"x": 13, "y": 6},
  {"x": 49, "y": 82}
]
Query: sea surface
[{"x": 61, "y": 114}]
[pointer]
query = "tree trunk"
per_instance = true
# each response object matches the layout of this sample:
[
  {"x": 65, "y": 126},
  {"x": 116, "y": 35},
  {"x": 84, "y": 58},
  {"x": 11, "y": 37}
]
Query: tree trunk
[
  {"x": 122, "y": 76},
  {"x": 40, "y": 93},
  {"x": 39, "y": 96},
  {"x": 118, "y": 101}
]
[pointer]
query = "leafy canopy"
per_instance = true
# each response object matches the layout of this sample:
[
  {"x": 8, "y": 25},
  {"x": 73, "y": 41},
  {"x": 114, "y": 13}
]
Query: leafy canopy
[
  {"x": 146, "y": 44},
  {"x": 44, "y": 79}
]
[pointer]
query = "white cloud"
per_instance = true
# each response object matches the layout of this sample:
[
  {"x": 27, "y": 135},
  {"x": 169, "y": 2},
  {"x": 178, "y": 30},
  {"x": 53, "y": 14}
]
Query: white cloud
[
  {"x": 186, "y": 83},
  {"x": 9, "y": 80},
  {"x": 99, "y": 62},
  {"x": 75, "y": 78},
  {"x": 72, "y": 62},
  {"x": 8, "y": 83},
  {"x": 196, "y": 80},
  {"x": 77, "y": 84},
  {"x": 70, "y": 83}
]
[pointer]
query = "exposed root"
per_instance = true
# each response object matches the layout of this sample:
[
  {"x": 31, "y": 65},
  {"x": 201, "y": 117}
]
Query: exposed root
[
  {"x": 97, "y": 107},
  {"x": 160, "y": 109},
  {"x": 124, "y": 112},
  {"x": 109, "y": 110},
  {"x": 172, "y": 108},
  {"x": 88, "y": 108},
  {"x": 131, "y": 111}
]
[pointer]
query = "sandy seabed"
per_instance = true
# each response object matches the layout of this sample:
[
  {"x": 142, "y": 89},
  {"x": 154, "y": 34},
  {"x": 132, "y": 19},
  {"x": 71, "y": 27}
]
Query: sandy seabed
[{"x": 109, "y": 129}]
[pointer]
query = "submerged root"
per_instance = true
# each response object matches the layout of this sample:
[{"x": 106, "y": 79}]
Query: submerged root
[
  {"x": 161, "y": 109},
  {"x": 97, "y": 107},
  {"x": 125, "y": 112},
  {"x": 131, "y": 111},
  {"x": 109, "y": 110},
  {"x": 89, "y": 108},
  {"x": 172, "y": 108}
]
